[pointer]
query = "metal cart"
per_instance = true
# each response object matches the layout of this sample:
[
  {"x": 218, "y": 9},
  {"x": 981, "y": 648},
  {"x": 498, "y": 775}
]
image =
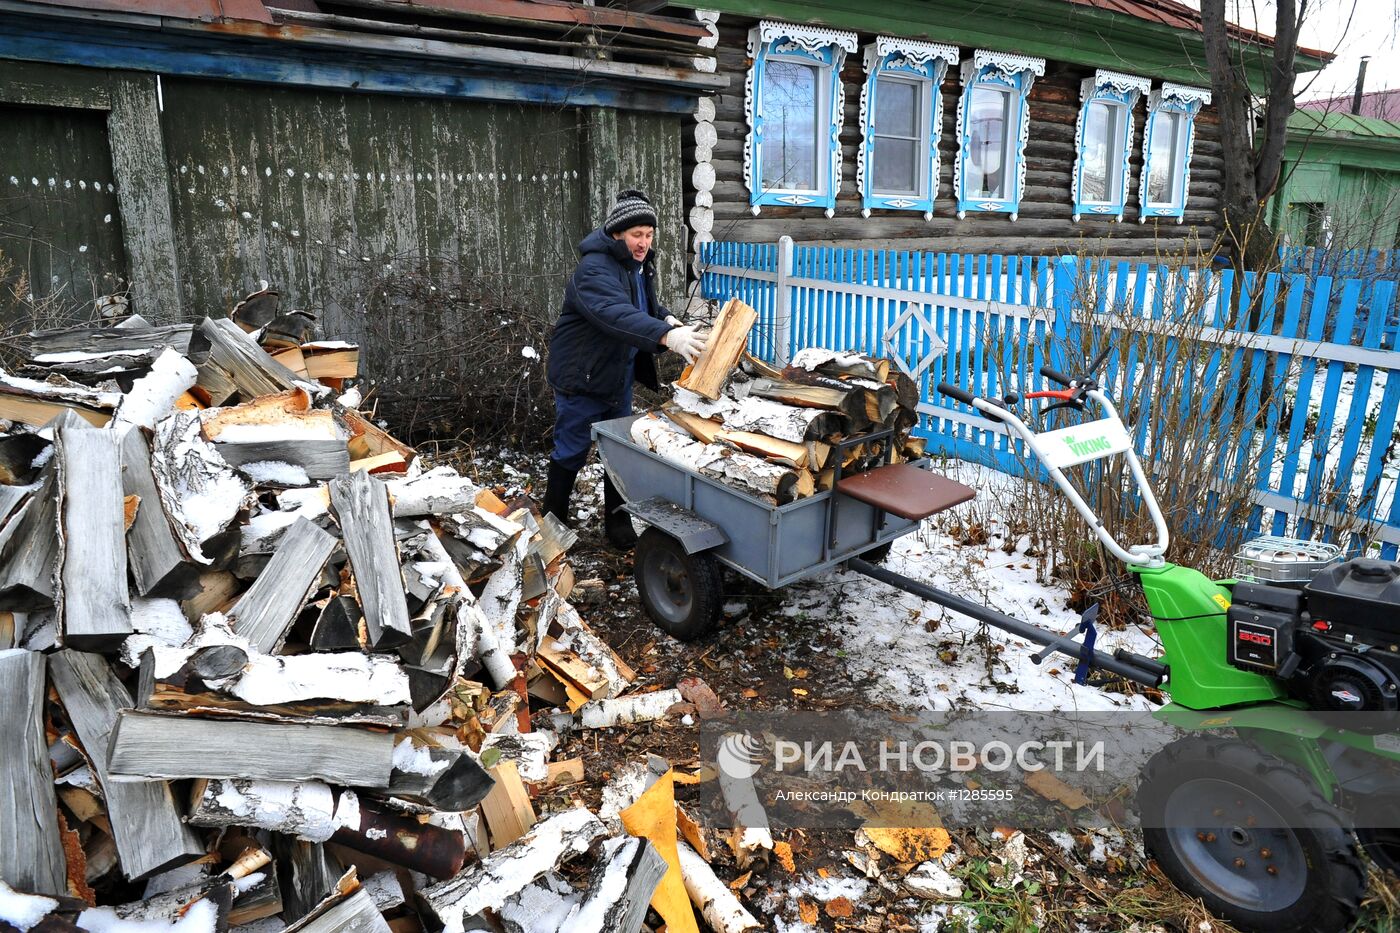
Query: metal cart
[{"x": 697, "y": 525}]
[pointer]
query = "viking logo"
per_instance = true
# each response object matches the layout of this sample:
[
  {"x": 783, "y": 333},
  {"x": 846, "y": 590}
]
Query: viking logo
[
  {"x": 739, "y": 755},
  {"x": 1092, "y": 445}
]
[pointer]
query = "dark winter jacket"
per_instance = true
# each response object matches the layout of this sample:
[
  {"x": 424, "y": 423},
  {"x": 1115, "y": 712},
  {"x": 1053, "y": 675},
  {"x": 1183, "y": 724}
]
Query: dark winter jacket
[{"x": 600, "y": 320}]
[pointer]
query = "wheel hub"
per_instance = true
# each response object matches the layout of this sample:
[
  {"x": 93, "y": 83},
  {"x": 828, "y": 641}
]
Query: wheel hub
[{"x": 1234, "y": 843}]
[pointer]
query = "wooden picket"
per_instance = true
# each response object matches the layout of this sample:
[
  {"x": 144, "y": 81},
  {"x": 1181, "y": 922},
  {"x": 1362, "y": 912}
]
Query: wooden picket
[{"x": 1003, "y": 317}]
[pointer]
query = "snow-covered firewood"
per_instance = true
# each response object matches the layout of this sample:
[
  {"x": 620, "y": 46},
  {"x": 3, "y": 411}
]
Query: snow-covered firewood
[
  {"x": 486, "y": 884},
  {"x": 622, "y": 883},
  {"x": 475, "y": 637},
  {"x": 642, "y": 707},
  {"x": 153, "y": 396},
  {"x": 836, "y": 363},
  {"x": 21, "y": 910},
  {"x": 500, "y": 600},
  {"x": 764, "y": 416},
  {"x": 717, "y": 904},
  {"x": 750, "y": 474},
  {"x": 440, "y": 491},
  {"x": 201, "y": 493},
  {"x": 307, "y": 810},
  {"x": 528, "y": 750}
]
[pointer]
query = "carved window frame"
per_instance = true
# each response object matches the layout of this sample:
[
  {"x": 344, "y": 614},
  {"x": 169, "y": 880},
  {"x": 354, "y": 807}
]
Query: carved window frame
[
  {"x": 825, "y": 49},
  {"x": 925, "y": 63},
  {"x": 1013, "y": 73},
  {"x": 1120, "y": 91},
  {"x": 1187, "y": 101}
]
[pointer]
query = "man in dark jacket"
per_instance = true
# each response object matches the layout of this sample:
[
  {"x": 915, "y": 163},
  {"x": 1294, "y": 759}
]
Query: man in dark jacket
[{"x": 608, "y": 332}]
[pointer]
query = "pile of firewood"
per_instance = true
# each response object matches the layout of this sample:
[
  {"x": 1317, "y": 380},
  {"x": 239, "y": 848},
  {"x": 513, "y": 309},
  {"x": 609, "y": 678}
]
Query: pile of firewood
[
  {"x": 775, "y": 432},
  {"x": 258, "y": 663}
]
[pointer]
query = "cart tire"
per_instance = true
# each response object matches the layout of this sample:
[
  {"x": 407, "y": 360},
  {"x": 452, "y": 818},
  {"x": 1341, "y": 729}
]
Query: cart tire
[
  {"x": 878, "y": 553},
  {"x": 683, "y": 593},
  {"x": 1201, "y": 799}
]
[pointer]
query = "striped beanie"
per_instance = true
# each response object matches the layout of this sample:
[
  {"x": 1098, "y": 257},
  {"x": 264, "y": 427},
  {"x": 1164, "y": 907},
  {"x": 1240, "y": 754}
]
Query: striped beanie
[{"x": 631, "y": 210}]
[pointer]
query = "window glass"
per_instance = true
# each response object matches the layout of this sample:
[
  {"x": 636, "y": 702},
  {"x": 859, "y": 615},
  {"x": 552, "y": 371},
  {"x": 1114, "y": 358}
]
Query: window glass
[
  {"x": 1102, "y": 153},
  {"x": 789, "y": 148},
  {"x": 1164, "y": 183},
  {"x": 898, "y": 106},
  {"x": 988, "y": 140}
]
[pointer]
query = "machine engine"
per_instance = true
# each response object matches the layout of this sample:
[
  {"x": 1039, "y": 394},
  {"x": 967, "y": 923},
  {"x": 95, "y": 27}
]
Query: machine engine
[{"x": 1333, "y": 638}]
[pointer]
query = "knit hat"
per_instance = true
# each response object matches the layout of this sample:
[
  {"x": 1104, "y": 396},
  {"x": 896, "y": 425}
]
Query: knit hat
[{"x": 631, "y": 210}]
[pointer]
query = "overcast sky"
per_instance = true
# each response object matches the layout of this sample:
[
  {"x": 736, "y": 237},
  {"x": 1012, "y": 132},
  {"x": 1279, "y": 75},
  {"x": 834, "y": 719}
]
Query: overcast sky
[{"x": 1350, "y": 28}]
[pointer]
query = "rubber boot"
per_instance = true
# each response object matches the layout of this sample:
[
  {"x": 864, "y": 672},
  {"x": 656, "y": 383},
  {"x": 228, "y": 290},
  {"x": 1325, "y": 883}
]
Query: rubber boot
[
  {"x": 617, "y": 524},
  {"x": 558, "y": 490}
]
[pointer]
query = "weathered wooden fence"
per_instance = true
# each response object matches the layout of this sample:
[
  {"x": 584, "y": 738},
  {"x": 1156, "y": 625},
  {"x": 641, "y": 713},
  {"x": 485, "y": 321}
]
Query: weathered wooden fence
[{"x": 987, "y": 323}]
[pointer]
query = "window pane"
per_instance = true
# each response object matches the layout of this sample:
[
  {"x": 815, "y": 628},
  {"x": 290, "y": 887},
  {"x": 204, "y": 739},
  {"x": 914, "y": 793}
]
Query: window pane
[
  {"x": 789, "y": 126},
  {"x": 896, "y": 166},
  {"x": 1165, "y": 180},
  {"x": 1102, "y": 153},
  {"x": 988, "y": 144},
  {"x": 896, "y": 108}
]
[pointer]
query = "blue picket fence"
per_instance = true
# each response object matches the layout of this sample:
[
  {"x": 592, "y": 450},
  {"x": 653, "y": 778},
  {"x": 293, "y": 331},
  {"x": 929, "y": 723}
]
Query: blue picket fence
[{"x": 1329, "y": 453}]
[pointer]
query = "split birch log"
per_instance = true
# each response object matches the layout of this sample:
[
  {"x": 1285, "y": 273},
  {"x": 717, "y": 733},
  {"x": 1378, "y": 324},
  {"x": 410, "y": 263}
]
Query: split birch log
[
  {"x": 31, "y": 850},
  {"x": 528, "y": 751},
  {"x": 349, "y": 909},
  {"x": 721, "y": 910},
  {"x": 36, "y": 403},
  {"x": 267, "y": 610},
  {"x": 153, "y": 396},
  {"x": 307, "y": 810},
  {"x": 475, "y": 637},
  {"x": 742, "y": 471},
  {"x": 361, "y": 506},
  {"x": 848, "y": 401},
  {"x": 619, "y": 889},
  {"x": 29, "y": 549},
  {"x": 440, "y": 491},
  {"x": 131, "y": 335},
  {"x": 307, "y": 873},
  {"x": 256, "y": 310},
  {"x": 504, "y": 872},
  {"x": 238, "y": 364},
  {"x": 202, "y": 495},
  {"x": 507, "y": 810},
  {"x": 623, "y": 711},
  {"x": 159, "y": 565},
  {"x": 331, "y": 359},
  {"x": 318, "y": 459},
  {"x": 836, "y": 363},
  {"x": 441, "y": 778},
  {"x": 145, "y": 820},
  {"x": 158, "y": 746},
  {"x": 92, "y": 597},
  {"x": 726, "y": 342},
  {"x": 763, "y": 416},
  {"x": 878, "y": 400}
]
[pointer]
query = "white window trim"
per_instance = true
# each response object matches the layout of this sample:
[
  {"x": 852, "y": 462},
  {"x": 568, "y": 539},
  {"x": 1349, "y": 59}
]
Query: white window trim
[
  {"x": 1016, "y": 75},
  {"x": 924, "y": 63},
  {"x": 824, "y": 49},
  {"x": 1122, "y": 91},
  {"x": 1187, "y": 101}
]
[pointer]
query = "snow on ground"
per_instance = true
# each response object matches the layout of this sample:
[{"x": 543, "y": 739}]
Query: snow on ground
[{"x": 914, "y": 654}]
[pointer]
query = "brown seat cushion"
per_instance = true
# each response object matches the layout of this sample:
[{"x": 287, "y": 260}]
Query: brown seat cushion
[{"x": 905, "y": 490}]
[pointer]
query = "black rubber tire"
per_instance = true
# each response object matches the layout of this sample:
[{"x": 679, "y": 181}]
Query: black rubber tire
[
  {"x": 683, "y": 593},
  {"x": 1328, "y": 868},
  {"x": 878, "y": 553}
]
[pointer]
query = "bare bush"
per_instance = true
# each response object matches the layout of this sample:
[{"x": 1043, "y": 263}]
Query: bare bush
[
  {"x": 1210, "y": 422},
  {"x": 453, "y": 354}
]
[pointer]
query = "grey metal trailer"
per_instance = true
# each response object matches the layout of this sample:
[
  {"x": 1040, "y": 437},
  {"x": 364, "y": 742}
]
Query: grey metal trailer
[{"x": 696, "y": 525}]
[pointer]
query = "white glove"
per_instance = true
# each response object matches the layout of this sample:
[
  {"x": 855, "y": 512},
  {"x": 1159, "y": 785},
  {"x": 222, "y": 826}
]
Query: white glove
[
  {"x": 686, "y": 341},
  {"x": 674, "y": 321}
]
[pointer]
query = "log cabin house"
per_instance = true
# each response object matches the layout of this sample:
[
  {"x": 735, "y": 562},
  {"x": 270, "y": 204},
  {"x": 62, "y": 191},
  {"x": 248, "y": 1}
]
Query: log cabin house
[{"x": 1008, "y": 126}]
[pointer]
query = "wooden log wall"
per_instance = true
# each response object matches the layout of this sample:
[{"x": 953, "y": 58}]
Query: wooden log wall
[{"x": 1045, "y": 225}]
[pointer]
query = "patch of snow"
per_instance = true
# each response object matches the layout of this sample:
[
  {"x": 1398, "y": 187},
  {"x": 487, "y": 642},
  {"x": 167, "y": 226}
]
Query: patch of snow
[
  {"x": 529, "y": 353},
  {"x": 23, "y": 910},
  {"x": 200, "y": 917},
  {"x": 275, "y": 472}
]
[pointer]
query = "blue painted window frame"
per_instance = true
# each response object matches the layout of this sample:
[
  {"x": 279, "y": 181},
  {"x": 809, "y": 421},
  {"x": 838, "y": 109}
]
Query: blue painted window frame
[
  {"x": 1014, "y": 73},
  {"x": 925, "y": 63},
  {"x": 1187, "y": 101},
  {"x": 1122, "y": 91},
  {"x": 825, "y": 49}
]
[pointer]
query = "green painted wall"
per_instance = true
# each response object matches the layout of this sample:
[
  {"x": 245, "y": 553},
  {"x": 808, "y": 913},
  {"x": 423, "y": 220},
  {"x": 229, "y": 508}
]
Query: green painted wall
[
  {"x": 1362, "y": 204},
  {"x": 60, "y": 225},
  {"x": 314, "y": 191}
]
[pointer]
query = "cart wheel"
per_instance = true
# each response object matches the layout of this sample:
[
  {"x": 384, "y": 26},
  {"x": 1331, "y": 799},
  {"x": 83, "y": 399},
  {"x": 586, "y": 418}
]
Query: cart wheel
[
  {"x": 1251, "y": 836},
  {"x": 878, "y": 553},
  {"x": 681, "y": 592}
]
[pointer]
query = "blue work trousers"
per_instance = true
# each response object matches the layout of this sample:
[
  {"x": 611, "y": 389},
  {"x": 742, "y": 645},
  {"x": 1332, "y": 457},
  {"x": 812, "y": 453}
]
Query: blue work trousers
[{"x": 574, "y": 417}]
